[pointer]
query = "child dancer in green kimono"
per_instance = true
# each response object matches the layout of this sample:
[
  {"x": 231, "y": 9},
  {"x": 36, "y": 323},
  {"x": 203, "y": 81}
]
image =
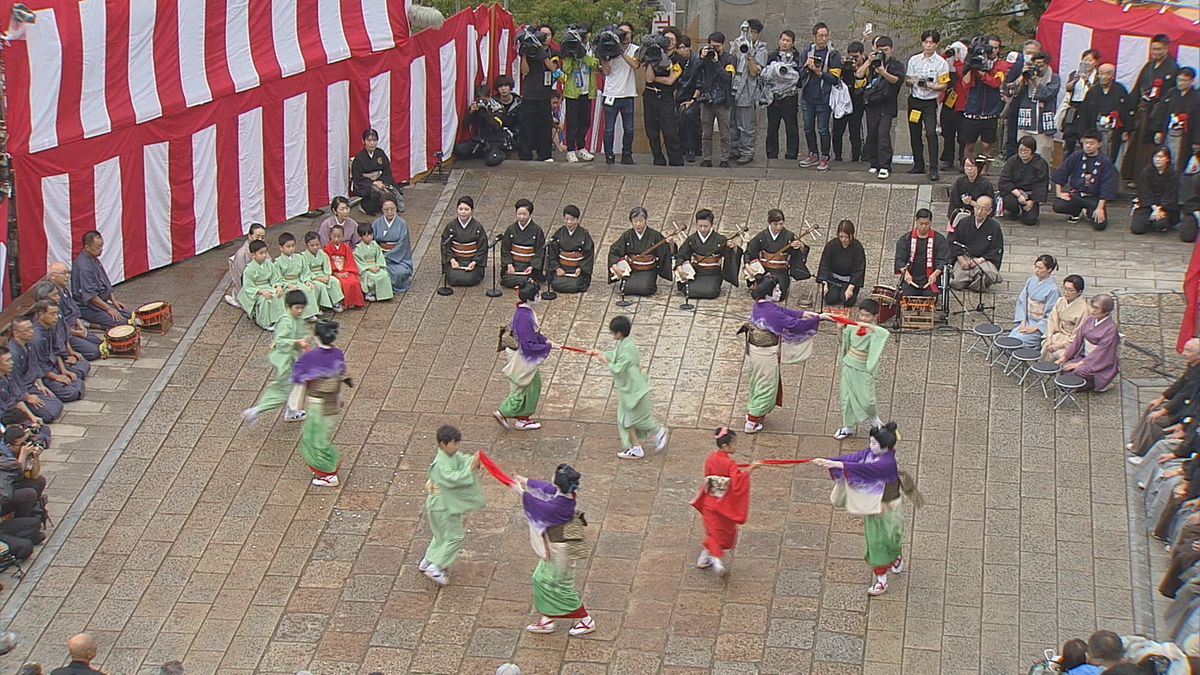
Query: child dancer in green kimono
[
  {"x": 290, "y": 336},
  {"x": 320, "y": 273},
  {"x": 635, "y": 408},
  {"x": 453, "y": 488},
  {"x": 293, "y": 275},
  {"x": 376, "y": 283},
  {"x": 261, "y": 297},
  {"x": 861, "y": 348}
]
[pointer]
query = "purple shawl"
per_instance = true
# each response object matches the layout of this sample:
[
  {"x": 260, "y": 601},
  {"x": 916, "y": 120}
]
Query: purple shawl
[
  {"x": 789, "y": 324},
  {"x": 1100, "y": 366},
  {"x": 866, "y": 471},
  {"x": 317, "y": 363},
  {"x": 533, "y": 345},
  {"x": 544, "y": 507}
]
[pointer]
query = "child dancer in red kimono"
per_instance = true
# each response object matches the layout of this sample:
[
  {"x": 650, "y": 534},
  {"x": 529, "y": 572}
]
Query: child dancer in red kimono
[
  {"x": 341, "y": 260},
  {"x": 723, "y": 501}
]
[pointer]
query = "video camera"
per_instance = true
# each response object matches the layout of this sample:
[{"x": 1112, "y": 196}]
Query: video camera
[
  {"x": 743, "y": 41},
  {"x": 980, "y": 54},
  {"x": 652, "y": 51},
  {"x": 530, "y": 43},
  {"x": 572, "y": 42},
  {"x": 608, "y": 43}
]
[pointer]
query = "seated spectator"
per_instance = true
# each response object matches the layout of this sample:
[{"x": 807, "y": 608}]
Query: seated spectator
[
  {"x": 261, "y": 297},
  {"x": 1085, "y": 182},
  {"x": 1068, "y": 312},
  {"x": 87, "y": 344},
  {"x": 978, "y": 247},
  {"x": 1185, "y": 553},
  {"x": 1040, "y": 291},
  {"x": 339, "y": 214},
  {"x": 843, "y": 268},
  {"x": 51, "y": 337},
  {"x": 45, "y": 291},
  {"x": 570, "y": 254},
  {"x": 921, "y": 256},
  {"x": 1189, "y": 199},
  {"x": 391, "y": 233},
  {"x": 27, "y": 363},
  {"x": 490, "y": 140},
  {"x": 83, "y": 651},
  {"x": 238, "y": 262},
  {"x": 1104, "y": 649},
  {"x": 372, "y": 267},
  {"x": 15, "y": 395},
  {"x": 1024, "y": 183},
  {"x": 1073, "y": 660},
  {"x": 966, "y": 190},
  {"x": 92, "y": 290},
  {"x": 1092, "y": 354},
  {"x": 464, "y": 246},
  {"x": 1165, "y": 410},
  {"x": 18, "y": 445},
  {"x": 343, "y": 267},
  {"x": 371, "y": 176},
  {"x": 1157, "y": 204}
]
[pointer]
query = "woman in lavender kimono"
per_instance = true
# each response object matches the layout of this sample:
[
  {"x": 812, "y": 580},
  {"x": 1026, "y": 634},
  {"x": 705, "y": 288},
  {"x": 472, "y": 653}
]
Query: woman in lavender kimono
[
  {"x": 323, "y": 371},
  {"x": 774, "y": 335},
  {"x": 1092, "y": 354},
  {"x": 1035, "y": 302},
  {"x": 868, "y": 484},
  {"x": 554, "y": 532},
  {"x": 391, "y": 233},
  {"x": 522, "y": 367}
]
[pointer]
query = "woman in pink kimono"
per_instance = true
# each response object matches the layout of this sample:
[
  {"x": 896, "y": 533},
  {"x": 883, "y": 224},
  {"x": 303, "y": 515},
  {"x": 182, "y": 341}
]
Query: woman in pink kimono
[{"x": 1092, "y": 354}]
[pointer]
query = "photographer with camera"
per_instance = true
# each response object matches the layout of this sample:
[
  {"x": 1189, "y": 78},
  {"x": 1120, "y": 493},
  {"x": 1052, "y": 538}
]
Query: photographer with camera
[
  {"x": 750, "y": 57},
  {"x": 822, "y": 69},
  {"x": 687, "y": 113},
  {"x": 781, "y": 79},
  {"x": 714, "y": 95},
  {"x": 489, "y": 140},
  {"x": 538, "y": 74},
  {"x": 982, "y": 74},
  {"x": 1036, "y": 99},
  {"x": 884, "y": 76},
  {"x": 579, "y": 66},
  {"x": 928, "y": 75},
  {"x": 854, "y": 121},
  {"x": 1072, "y": 119},
  {"x": 1009, "y": 93},
  {"x": 619, "y": 63},
  {"x": 662, "y": 72}
]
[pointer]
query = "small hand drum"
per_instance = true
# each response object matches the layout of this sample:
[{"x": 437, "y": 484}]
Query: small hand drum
[
  {"x": 122, "y": 341},
  {"x": 154, "y": 317},
  {"x": 885, "y": 295}
]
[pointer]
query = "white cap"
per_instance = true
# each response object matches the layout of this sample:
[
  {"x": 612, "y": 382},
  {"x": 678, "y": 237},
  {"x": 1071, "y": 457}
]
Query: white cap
[{"x": 508, "y": 669}]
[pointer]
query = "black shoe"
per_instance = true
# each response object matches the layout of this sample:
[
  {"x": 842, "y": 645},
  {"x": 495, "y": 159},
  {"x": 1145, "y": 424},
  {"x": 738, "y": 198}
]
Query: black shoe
[
  {"x": 947, "y": 166},
  {"x": 916, "y": 169},
  {"x": 689, "y": 158},
  {"x": 658, "y": 161},
  {"x": 724, "y": 165},
  {"x": 708, "y": 163},
  {"x": 676, "y": 163},
  {"x": 792, "y": 158},
  {"x": 837, "y": 158},
  {"x": 609, "y": 159},
  {"x": 626, "y": 159},
  {"x": 772, "y": 156},
  {"x": 933, "y": 174}
]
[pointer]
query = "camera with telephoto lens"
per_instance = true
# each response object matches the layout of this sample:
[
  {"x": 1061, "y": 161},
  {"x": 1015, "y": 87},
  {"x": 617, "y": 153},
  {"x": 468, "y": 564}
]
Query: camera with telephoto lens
[
  {"x": 980, "y": 55},
  {"x": 878, "y": 57},
  {"x": 744, "y": 40},
  {"x": 529, "y": 43},
  {"x": 572, "y": 42},
  {"x": 652, "y": 50},
  {"x": 608, "y": 43}
]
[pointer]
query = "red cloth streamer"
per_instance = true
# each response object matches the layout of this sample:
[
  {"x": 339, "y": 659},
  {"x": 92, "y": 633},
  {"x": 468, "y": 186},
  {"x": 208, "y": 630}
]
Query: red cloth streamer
[
  {"x": 491, "y": 467},
  {"x": 862, "y": 328},
  {"x": 575, "y": 349},
  {"x": 778, "y": 461}
]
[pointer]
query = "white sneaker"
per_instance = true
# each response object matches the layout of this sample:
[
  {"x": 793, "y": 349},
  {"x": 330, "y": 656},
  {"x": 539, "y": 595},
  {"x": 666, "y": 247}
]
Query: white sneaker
[
  {"x": 882, "y": 175},
  {"x": 232, "y": 301},
  {"x": 1135, "y": 460},
  {"x": 705, "y": 560},
  {"x": 423, "y": 565},
  {"x": 585, "y": 625},
  {"x": 339, "y": 308},
  {"x": 369, "y": 298},
  {"x": 325, "y": 481},
  {"x": 872, "y": 170},
  {"x": 718, "y": 568},
  {"x": 500, "y": 419},
  {"x": 660, "y": 439},
  {"x": 586, "y": 156},
  {"x": 527, "y": 425},
  {"x": 572, "y": 158},
  {"x": 753, "y": 427},
  {"x": 898, "y": 564},
  {"x": 294, "y": 415},
  {"x": 250, "y": 416},
  {"x": 270, "y": 329},
  {"x": 844, "y": 432},
  {"x": 632, "y": 453},
  {"x": 879, "y": 587},
  {"x": 543, "y": 626},
  {"x": 548, "y": 160},
  {"x": 436, "y": 575}
]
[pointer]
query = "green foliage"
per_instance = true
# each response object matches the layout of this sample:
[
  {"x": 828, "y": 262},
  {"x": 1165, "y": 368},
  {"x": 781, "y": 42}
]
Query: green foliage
[
  {"x": 561, "y": 13},
  {"x": 955, "y": 19}
]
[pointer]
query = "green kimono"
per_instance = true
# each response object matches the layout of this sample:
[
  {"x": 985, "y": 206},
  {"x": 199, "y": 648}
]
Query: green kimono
[
  {"x": 453, "y": 490},
  {"x": 376, "y": 282},
  {"x": 635, "y": 409},
  {"x": 860, "y": 361},
  {"x": 320, "y": 274},
  {"x": 261, "y": 310},
  {"x": 282, "y": 357},
  {"x": 291, "y": 270}
]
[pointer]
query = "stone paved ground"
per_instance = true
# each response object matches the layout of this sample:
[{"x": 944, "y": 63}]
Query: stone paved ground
[{"x": 205, "y": 542}]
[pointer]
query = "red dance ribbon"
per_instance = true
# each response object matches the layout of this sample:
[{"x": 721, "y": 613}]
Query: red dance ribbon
[
  {"x": 491, "y": 467},
  {"x": 862, "y": 328},
  {"x": 575, "y": 349},
  {"x": 778, "y": 461}
]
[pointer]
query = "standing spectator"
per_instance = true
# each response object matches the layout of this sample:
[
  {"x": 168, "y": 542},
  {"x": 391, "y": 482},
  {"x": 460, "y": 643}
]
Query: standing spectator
[
  {"x": 619, "y": 92},
  {"x": 854, "y": 121},
  {"x": 785, "y": 101},
  {"x": 1157, "y": 205},
  {"x": 689, "y": 114},
  {"x": 658, "y": 103},
  {"x": 750, "y": 56},
  {"x": 1023, "y": 183},
  {"x": 579, "y": 88},
  {"x": 822, "y": 70},
  {"x": 714, "y": 91},
  {"x": 1106, "y": 109},
  {"x": 1177, "y": 118},
  {"x": 1073, "y": 120},
  {"x": 1154, "y": 81},
  {"x": 1085, "y": 182},
  {"x": 928, "y": 75},
  {"x": 1035, "y": 100},
  {"x": 954, "y": 100},
  {"x": 984, "y": 105},
  {"x": 1009, "y": 93},
  {"x": 537, "y": 120},
  {"x": 884, "y": 75}
]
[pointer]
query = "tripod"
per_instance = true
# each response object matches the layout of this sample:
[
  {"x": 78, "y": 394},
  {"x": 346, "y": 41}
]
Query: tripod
[{"x": 494, "y": 292}]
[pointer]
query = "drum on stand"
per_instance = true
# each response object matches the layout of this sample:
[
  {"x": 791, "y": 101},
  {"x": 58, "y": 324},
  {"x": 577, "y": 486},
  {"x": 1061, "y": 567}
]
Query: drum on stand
[
  {"x": 888, "y": 298},
  {"x": 154, "y": 317},
  {"x": 123, "y": 342}
]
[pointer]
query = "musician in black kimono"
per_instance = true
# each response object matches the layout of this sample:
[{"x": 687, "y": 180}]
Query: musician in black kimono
[
  {"x": 780, "y": 253},
  {"x": 705, "y": 259},
  {"x": 639, "y": 257},
  {"x": 371, "y": 176},
  {"x": 570, "y": 255},
  {"x": 464, "y": 247},
  {"x": 522, "y": 249}
]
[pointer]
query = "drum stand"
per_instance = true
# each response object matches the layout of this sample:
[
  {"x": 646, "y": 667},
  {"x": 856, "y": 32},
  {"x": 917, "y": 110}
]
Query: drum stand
[
  {"x": 494, "y": 292},
  {"x": 687, "y": 305},
  {"x": 623, "y": 302}
]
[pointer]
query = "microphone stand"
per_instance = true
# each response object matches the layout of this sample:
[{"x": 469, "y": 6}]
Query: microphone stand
[
  {"x": 549, "y": 293},
  {"x": 494, "y": 292},
  {"x": 445, "y": 290},
  {"x": 687, "y": 305},
  {"x": 623, "y": 302}
]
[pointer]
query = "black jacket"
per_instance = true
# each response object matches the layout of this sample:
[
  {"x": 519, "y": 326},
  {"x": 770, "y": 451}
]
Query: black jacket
[
  {"x": 716, "y": 79},
  {"x": 1031, "y": 178},
  {"x": 880, "y": 94},
  {"x": 76, "y": 668},
  {"x": 1158, "y": 189},
  {"x": 689, "y": 80}
]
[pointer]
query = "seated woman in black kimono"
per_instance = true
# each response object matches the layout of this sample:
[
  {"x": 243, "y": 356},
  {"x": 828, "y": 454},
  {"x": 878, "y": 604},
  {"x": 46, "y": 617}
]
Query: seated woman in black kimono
[
  {"x": 843, "y": 268},
  {"x": 371, "y": 176},
  {"x": 570, "y": 254},
  {"x": 966, "y": 191}
]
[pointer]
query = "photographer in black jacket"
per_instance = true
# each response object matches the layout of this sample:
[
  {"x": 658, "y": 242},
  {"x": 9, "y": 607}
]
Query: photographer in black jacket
[
  {"x": 538, "y": 73},
  {"x": 685, "y": 86},
  {"x": 854, "y": 121},
  {"x": 884, "y": 76},
  {"x": 490, "y": 140},
  {"x": 662, "y": 72},
  {"x": 714, "y": 95}
]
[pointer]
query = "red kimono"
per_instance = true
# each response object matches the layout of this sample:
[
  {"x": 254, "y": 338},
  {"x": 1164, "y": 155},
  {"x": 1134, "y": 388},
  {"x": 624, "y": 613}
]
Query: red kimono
[
  {"x": 341, "y": 259},
  {"x": 1191, "y": 296},
  {"x": 723, "y": 514}
]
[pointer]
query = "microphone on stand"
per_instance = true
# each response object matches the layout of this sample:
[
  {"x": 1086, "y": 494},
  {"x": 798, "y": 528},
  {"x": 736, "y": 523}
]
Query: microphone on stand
[
  {"x": 494, "y": 292},
  {"x": 623, "y": 302},
  {"x": 549, "y": 293},
  {"x": 445, "y": 289},
  {"x": 687, "y": 305}
]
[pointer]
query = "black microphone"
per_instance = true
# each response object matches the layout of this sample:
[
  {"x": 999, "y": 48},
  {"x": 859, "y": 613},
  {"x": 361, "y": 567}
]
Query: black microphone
[
  {"x": 549, "y": 293},
  {"x": 445, "y": 289},
  {"x": 494, "y": 292}
]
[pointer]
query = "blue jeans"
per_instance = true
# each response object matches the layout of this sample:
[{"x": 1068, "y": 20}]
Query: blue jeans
[
  {"x": 624, "y": 106},
  {"x": 816, "y": 123}
]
